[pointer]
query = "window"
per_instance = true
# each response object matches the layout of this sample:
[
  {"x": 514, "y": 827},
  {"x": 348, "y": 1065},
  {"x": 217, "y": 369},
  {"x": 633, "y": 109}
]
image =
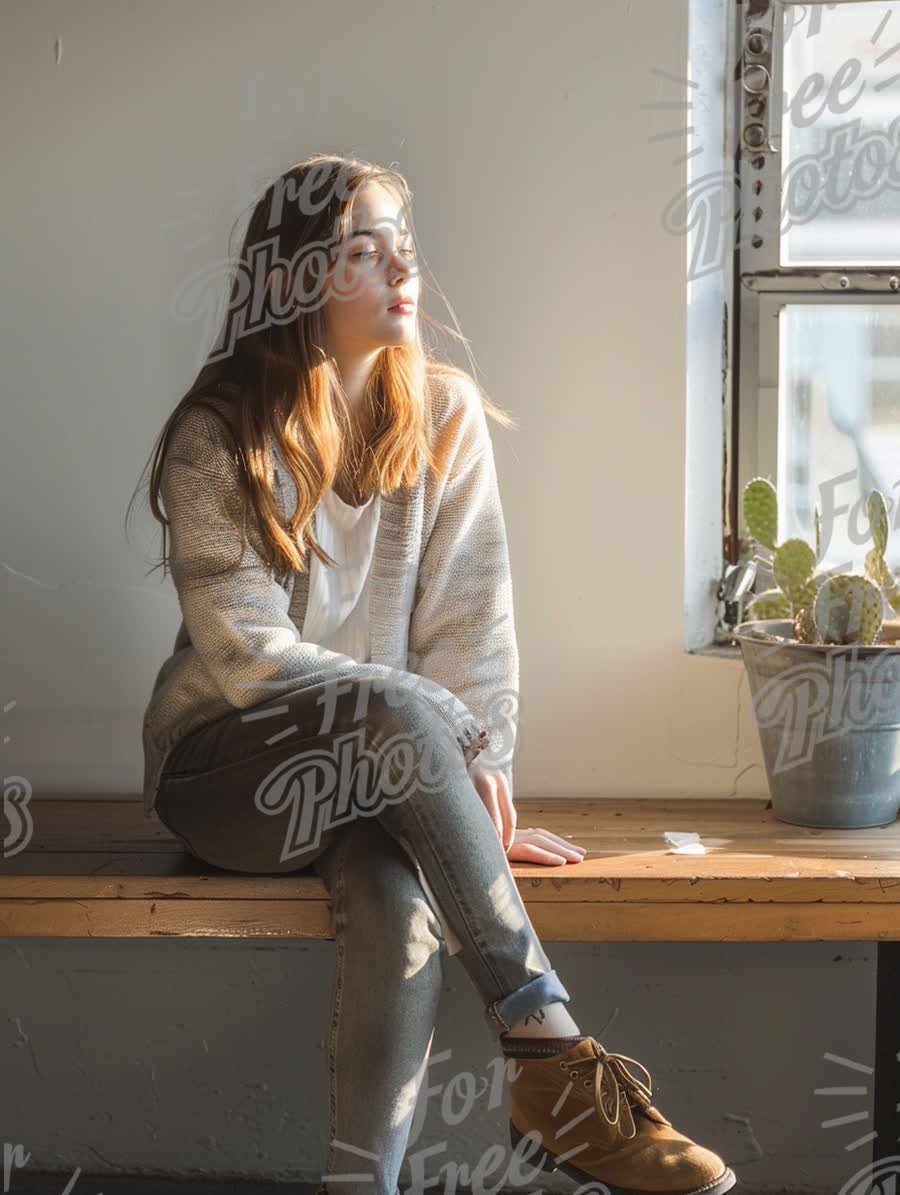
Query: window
[{"x": 813, "y": 335}]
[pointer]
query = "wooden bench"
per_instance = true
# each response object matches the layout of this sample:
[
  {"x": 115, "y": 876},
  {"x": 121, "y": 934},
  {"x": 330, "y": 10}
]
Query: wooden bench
[{"x": 96, "y": 868}]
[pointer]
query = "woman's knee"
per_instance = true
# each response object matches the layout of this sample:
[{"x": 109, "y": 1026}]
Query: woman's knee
[
  {"x": 393, "y": 710},
  {"x": 389, "y": 746},
  {"x": 411, "y": 735}
]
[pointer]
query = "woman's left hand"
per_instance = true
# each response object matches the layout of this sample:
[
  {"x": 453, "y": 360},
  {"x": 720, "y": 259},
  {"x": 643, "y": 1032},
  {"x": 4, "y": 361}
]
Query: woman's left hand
[
  {"x": 543, "y": 846},
  {"x": 521, "y": 846}
]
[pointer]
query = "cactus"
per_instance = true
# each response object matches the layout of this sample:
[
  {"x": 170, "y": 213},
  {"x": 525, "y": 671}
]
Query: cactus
[
  {"x": 761, "y": 511},
  {"x": 848, "y": 609},
  {"x": 805, "y": 625},
  {"x": 793, "y": 567},
  {"x": 876, "y": 567},
  {"x": 793, "y": 563},
  {"x": 771, "y": 604},
  {"x": 824, "y": 609}
]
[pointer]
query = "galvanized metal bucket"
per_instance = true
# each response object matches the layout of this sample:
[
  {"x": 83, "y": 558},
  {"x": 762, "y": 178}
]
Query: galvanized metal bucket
[{"x": 829, "y": 723}]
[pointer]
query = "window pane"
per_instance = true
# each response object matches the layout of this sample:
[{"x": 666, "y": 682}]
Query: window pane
[
  {"x": 838, "y": 425},
  {"x": 839, "y": 134}
]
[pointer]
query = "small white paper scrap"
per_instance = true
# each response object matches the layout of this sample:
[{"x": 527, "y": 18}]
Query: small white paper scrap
[{"x": 684, "y": 843}]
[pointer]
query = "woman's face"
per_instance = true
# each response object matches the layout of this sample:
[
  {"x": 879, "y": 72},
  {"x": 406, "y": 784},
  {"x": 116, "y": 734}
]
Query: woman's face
[{"x": 375, "y": 268}]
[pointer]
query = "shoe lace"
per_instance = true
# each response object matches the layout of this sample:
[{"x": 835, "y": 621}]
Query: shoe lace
[{"x": 627, "y": 1089}]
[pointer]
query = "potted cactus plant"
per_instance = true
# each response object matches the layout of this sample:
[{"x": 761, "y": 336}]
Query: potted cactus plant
[{"x": 823, "y": 661}]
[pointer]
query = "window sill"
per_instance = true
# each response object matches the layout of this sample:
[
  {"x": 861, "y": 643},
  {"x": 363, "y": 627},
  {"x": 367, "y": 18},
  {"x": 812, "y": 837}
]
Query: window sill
[{"x": 729, "y": 651}]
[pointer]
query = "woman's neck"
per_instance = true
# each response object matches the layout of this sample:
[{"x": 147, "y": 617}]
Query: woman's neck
[
  {"x": 354, "y": 373},
  {"x": 346, "y": 484}
]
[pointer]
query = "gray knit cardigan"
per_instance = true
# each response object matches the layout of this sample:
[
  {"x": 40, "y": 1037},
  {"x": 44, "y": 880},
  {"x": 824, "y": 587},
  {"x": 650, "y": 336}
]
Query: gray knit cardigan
[{"x": 441, "y": 612}]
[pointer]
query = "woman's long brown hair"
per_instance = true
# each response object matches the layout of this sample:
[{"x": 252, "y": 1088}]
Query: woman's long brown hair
[{"x": 279, "y": 381}]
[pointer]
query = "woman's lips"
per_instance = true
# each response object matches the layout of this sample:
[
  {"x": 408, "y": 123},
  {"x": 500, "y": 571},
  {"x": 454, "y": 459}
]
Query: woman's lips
[{"x": 403, "y": 308}]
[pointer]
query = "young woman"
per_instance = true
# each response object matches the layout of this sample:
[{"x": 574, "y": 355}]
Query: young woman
[{"x": 342, "y": 690}]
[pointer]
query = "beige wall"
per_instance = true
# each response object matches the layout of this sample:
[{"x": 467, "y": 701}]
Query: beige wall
[{"x": 538, "y": 195}]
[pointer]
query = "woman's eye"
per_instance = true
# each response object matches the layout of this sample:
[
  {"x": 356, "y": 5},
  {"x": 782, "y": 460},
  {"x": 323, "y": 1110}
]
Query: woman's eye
[{"x": 410, "y": 252}]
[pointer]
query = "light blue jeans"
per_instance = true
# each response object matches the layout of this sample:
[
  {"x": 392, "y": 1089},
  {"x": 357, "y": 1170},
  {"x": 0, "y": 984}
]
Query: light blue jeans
[{"x": 350, "y": 781}]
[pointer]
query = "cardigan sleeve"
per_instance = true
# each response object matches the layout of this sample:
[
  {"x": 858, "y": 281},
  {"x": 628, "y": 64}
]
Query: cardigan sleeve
[
  {"x": 238, "y": 619},
  {"x": 462, "y": 627}
]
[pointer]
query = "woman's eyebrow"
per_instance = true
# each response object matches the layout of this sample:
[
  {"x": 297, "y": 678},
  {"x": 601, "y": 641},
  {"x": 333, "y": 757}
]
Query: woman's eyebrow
[{"x": 360, "y": 232}]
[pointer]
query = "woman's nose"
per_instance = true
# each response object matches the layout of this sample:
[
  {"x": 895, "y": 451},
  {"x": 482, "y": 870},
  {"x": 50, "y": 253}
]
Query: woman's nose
[{"x": 400, "y": 268}]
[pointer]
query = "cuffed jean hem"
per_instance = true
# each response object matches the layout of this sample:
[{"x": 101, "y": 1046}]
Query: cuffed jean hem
[{"x": 537, "y": 993}]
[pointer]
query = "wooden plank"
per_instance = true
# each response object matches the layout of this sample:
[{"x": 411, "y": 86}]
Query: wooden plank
[
  {"x": 552, "y": 888},
  {"x": 97, "y": 867},
  {"x": 553, "y": 922},
  {"x": 165, "y": 919}
]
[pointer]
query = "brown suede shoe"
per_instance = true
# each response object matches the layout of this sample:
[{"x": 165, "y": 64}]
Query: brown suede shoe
[{"x": 587, "y": 1115}]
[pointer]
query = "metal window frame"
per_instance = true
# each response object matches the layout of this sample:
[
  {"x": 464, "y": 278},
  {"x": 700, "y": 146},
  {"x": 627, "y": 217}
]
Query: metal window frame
[{"x": 761, "y": 286}]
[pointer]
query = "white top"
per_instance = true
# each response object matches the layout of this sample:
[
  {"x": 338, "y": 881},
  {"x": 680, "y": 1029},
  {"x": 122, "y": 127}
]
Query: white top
[{"x": 337, "y": 610}]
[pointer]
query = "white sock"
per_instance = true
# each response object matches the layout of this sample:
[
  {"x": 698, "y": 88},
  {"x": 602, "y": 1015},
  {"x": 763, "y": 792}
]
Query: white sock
[{"x": 552, "y": 1021}]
